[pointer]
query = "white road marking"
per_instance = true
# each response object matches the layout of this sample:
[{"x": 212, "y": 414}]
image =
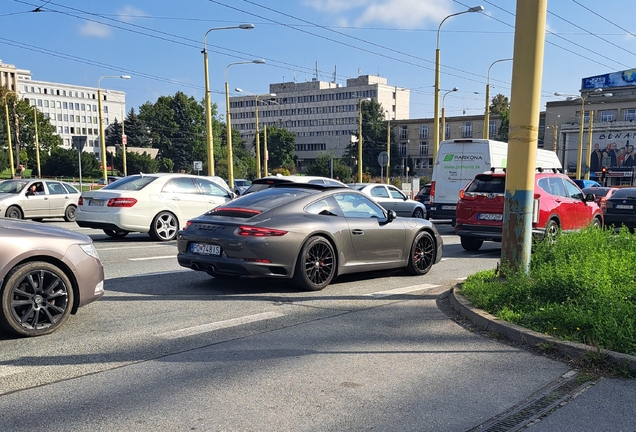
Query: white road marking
[
  {"x": 152, "y": 258},
  {"x": 155, "y": 273},
  {"x": 137, "y": 247},
  {"x": 404, "y": 290},
  {"x": 9, "y": 370},
  {"x": 191, "y": 331}
]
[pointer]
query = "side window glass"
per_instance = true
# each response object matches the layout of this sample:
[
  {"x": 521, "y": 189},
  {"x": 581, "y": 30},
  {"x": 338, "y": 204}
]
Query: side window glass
[
  {"x": 573, "y": 191},
  {"x": 556, "y": 186},
  {"x": 55, "y": 188},
  {"x": 358, "y": 206},
  {"x": 379, "y": 192},
  {"x": 323, "y": 207},
  {"x": 543, "y": 184},
  {"x": 180, "y": 185},
  {"x": 396, "y": 194},
  {"x": 209, "y": 188}
]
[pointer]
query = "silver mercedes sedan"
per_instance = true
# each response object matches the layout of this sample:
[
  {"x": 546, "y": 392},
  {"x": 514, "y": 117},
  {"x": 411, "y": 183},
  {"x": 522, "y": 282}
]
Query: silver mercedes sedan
[{"x": 306, "y": 232}]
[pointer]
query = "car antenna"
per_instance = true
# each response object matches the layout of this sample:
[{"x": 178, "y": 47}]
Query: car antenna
[{"x": 141, "y": 174}]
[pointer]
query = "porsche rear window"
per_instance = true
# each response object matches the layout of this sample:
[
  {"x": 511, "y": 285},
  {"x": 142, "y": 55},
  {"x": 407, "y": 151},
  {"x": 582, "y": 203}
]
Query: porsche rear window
[{"x": 269, "y": 198}]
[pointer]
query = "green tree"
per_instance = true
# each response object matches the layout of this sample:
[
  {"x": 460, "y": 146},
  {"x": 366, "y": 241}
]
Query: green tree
[
  {"x": 374, "y": 137},
  {"x": 281, "y": 144},
  {"x": 501, "y": 105},
  {"x": 136, "y": 131},
  {"x": 322, "y": 167},
  {"x": 137, "y": 163},
  {"x": 64, "y": 163},
  {"x": 4, "y": 160}
]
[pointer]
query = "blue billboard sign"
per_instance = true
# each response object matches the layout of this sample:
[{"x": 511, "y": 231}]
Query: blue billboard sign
[{"x": 614, "y": 79}]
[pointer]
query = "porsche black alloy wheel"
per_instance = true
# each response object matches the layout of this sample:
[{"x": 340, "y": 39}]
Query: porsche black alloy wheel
[
  {"x": 422, "y": 254},
  {"x": 316, "y": 264}
]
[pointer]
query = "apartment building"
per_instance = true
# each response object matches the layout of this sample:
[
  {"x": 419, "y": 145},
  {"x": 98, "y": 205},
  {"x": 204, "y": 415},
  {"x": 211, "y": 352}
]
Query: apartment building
[
  {"x": 71, "y": 109},
  {"x": 323, "y": 115}
]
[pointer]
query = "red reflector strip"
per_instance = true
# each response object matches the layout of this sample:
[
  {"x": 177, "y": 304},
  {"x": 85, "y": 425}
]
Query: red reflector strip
[
  {"x": 121, "y": 202},
  {"x": 257, "y": 260},
  {"x": 260, "y": 232}
]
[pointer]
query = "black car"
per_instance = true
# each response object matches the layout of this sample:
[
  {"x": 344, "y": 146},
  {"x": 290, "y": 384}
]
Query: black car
[
  {"x": 424, "y": 196},
  {"x": 620, "y": 209}
]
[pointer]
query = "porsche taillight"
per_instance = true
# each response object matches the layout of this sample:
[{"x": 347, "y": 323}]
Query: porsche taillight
[{"x": 249, "y": 231}]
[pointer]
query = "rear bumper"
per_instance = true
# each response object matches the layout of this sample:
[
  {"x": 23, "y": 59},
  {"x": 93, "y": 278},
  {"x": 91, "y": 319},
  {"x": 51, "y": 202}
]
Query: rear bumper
[
  {"x": 441, "y": 211},
  {"x": 489, "y": 232}
]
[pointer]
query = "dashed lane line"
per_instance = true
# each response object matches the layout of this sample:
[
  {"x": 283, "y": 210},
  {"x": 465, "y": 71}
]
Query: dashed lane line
[{"x": 191, "y": 331}]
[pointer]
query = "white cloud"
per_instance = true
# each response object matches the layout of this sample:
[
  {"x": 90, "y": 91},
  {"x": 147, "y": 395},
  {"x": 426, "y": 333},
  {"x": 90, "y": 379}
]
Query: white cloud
[
  {"x": 130, "y": 13},
  {"x": 93, "y": 29},
  {"x": 399, "y": 13}
]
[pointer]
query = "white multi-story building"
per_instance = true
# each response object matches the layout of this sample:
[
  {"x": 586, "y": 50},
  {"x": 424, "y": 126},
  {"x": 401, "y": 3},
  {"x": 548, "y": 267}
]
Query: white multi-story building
[
  {"x": 323, "y": 115},
  {"x": 72, "y": 110}
]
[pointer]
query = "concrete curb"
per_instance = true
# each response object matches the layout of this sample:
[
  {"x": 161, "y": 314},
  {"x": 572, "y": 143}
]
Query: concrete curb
[{"x": 515, "y": 333}]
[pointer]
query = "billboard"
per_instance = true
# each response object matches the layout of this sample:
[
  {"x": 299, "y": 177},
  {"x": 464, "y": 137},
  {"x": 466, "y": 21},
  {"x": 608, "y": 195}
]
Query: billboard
[
  {"x": 613, "y": 150},
  {"x": 614, "y": 79}
]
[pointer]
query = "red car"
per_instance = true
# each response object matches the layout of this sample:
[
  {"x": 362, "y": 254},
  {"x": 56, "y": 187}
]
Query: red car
[{"x": 559, "y": 206}]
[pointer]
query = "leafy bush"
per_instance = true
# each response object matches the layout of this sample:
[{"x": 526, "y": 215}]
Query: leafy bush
[{"x": 581, "y": 288}]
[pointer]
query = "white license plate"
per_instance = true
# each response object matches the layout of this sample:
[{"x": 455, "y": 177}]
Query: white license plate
[
  {"x": 205, "y": 249},
  {"x": 624, "y": 207},
  {"x": 490, "y": 216},
  {"x": 96, "y": 203},
  {"x": 450, "y": 207}
]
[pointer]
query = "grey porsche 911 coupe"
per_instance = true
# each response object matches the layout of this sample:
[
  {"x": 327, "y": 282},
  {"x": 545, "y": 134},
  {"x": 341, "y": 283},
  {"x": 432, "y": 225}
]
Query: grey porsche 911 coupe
[{"x": 306, "y": 232}]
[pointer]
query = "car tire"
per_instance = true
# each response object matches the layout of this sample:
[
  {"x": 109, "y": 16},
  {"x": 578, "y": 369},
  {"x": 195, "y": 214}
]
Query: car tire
[
  {"x": 422, "y": 254},
  {"x": 418, "y": 213},
  {"x": 115, "y": 233},
  {"x": 37, "y": 299},
  {"x": 164, "y": 227},
  {"x": 316, "y": 264},
  {"x": 597, "y": 223},
  {"x": 551, "y": 231},
  {"x": 14, "y": 212},
  {"x": 69, "y": 213},
  {"x": 471, "y": 244}
]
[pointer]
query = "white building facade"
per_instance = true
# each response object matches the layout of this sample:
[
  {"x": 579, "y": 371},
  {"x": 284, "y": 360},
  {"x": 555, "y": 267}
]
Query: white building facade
[{"x": 323, "y": 115}]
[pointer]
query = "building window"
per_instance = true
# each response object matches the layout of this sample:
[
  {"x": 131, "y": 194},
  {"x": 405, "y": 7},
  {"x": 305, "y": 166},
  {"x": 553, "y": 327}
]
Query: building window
[
  {"x": 492, "y": 128},
  {"x": 629, "y": 114},
  {"x": 586, "y": 119},
  {"x": 423, "y": 148},
  {"x": 403, "y": 147},
  {"x": 467, "y": 130},
  {"x": 404, "y": 132},
  {"x": 608, "y": 115},
  {"x": 424, "y": 132}
]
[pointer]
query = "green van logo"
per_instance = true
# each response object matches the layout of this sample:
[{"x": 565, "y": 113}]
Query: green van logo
[{"x": 449, "y": 157}]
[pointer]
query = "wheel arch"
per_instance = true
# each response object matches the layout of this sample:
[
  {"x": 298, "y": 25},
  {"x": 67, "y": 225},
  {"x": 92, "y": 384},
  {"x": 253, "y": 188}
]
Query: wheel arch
[
  {"x": 57, "y": 263},
  {"x": 331, "y": 241},
  {"x": 15, "y": 205}
]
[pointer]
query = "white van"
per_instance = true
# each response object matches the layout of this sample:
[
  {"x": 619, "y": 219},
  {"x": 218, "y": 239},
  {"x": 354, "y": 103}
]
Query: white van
[{"x": 459, "y": 161}]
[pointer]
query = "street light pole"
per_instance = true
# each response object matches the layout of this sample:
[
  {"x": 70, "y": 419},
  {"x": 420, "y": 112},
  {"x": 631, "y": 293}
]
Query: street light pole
[
  {"x": 230, "y": 156},
  {"x": 257, "y": 138},
  {"x": 388, "y": 146},
  {"x": 360, "y": 140},
  {"x": 579, "y": 155},
  {"x": 102, "y": 139},
  {"x": 208, "y": 109},
  {"x": 6, "y": 110},
  {"x": 437, "y": 79},
  {"x": 486, "y": 133},
  {"x": 444, "y": 112},
  {"x": 37, "y": 140},
  {"x": 123, "y": 134}
]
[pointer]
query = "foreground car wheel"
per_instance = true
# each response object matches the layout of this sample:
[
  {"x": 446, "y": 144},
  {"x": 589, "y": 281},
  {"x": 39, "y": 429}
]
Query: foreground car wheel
[
  {"x": 471, "y": 244},
  {"x": 36, "y": 299},
  {"x": 14, "y": 212},
  {"x": 596, "y": 223},
  {"x": 69, "y": 214},
  {"x": 551, "y": 231},
  {"x": 422, "y": 254},
  {"x": 164, "y": 227},
  {"x": 418, "y": 213},
  {"x": 315, "y": 266},
  {"x": 115, "y": 234}
]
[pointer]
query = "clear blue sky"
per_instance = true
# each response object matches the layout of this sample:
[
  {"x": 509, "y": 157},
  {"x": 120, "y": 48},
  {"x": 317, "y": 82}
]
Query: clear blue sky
[{"x": 159, "y": 43}]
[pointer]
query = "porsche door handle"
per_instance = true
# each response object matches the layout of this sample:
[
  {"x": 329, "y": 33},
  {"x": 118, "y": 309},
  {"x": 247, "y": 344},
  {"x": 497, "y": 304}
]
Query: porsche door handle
[{"x": 357, "y": 232}]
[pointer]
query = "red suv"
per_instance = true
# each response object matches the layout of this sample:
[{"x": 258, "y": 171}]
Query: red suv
[{"x": 559, "y": 204}]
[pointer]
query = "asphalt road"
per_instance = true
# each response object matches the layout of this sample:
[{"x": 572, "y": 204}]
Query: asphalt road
[{"x": 167, "y": 348}]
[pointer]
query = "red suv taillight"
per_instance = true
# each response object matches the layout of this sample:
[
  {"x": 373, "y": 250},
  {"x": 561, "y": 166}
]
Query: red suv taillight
[
  {"x": 121, "y": 202},
  {"x": 80, "y": 201},
  {"x": 248, "y": 231}
]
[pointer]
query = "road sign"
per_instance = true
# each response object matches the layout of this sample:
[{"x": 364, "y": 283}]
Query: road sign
[
  {"x": 383, "y": 158},
  {"x": 124, "y": 139},
  {"x": 79, "y": 141},
  {"x": 198, "y": 165}
]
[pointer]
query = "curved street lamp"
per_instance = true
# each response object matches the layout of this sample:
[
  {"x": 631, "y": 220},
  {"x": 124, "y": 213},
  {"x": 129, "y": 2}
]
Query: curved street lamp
[
  {"x": 123, "y": 135},
  {"x": 579, "y": 155},
  {"x": 444, "y": 112},
  {"x": 208, "y": 113},
  {"x": 102, "y": 139},
  {"x": 487, "y": 111},
  {"x": 230, "y": 156},
  {"x": 437, "y": 67},
  {"x": 258, "y": 139}
]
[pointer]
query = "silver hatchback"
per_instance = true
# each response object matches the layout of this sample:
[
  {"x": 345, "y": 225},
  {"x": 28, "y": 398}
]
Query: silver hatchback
[{"x": 38, "y": 199}]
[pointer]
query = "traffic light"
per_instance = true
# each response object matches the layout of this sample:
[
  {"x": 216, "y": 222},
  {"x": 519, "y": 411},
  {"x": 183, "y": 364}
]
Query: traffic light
[{"x": 603, "y": 174}]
